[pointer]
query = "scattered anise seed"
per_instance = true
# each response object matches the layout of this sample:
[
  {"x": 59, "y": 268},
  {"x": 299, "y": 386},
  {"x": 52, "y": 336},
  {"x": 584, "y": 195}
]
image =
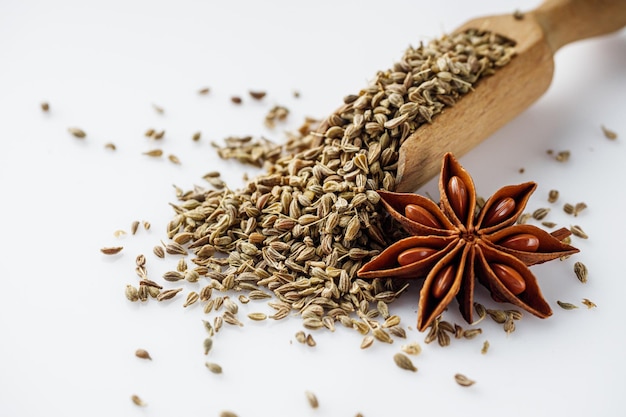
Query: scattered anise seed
[
  {"x": 208, "y": 342},
  {"x": 137, "y": 401},
  {"x": 204, "y": 90},
  {"x": 367, "y": 341},
  {"x": 159, "y": 135},
  {"x": 553, "y": 196},
  {"x": 173, "y": 159},
  {"x": 134, "y": 226},
  {"x": 588, "y": 303},
  {"x": 509, "y": 325},
  {"x": 158, "y": 109},
  {"x": 310, "y": 341},
  {"x": 192, "y": 297},
  {"x": 257, "y": 316},
  {"x": 412, "y": 348},
  {"x": 563, "y": 156},
  {"x": 296, "y": 94},
  {"x": 213, "y": 367},
  {"x": 79, "y": 133},
  {"x": 578, "y": 232},
  {"x": 119, "y": 233},
  {"x": 609, "y": 134},
  {"x": 518, "y": 15},
  {"x": 301, "y": 336},
  {"x": 236, "y": 99},
  {"x": 143, "y": 354},
  {"x": 463, "y": 381},
  {"x": 168, "y": 294},
  {"x": 485, "y": 347},
  {"x": 549, "y": 225},
  {"x": 580, "y": 269},
  {"x": 568, "y": 208},
  {"x": 154, "y": 153},
  {"x": 45, "y": 106},
  {"x": 112, "y": 250},
  {"x": 540, "y": 213},
  {"x": 312, "y": 399},
  {"x": 566, "y": 306},
  {"x": 403, "y": 361},
  {"x": 257, "y": 95},
  {"x": 196, "y": 136},
  {"x": 132, "y": 294},
  {"x": 579, "y": 207},
  {"x": 159, "y": 251},
  {"x": 471, "y": 333}
]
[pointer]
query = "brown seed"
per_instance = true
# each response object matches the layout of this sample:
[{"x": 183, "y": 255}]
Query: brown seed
[
  {"x": 367, "y": 341},
  {"x": 257, "y": 95},
  {"x": 134, "y": 226},
  {"x": 168, "y": 294},
  {"x": 510, "y": 278},
  {"x": 137, "y": 401},
  {"x": 471, "y": 333},
  {"x": 236, "y": 99},
  {"x": 158, "y": 135},
  {"x": 609, "y": 134},
  {"x": 79, "y": 133},
  {"x": 578, "y": 207},
  {"x": 443, "y": 281},
  {"x": 257, "y": 316},
  {"x": 110, "y": 145},
  {"x": 132, "y": 293},
  {"x": 227, "y": 414},
  {"x": 173, "y": 159},
  {"x": 159, "y": 251},
  {"x": 301, "y": 336},
  {"x": 499, "y": 211},
  {"x": 143, "y": 354},
  {"x": 45, "y": 106},
  {"x": 549, "y": 225},
  {"x": 413, "y": 255},
  {"x": 421, "y": 215},
  {"x": 112, "y": 250},
  {"x": 310, "y": 341},
  {"x": 458, "y": 197},
  {"x": 312, "y": 399},
  {"x": 563, "y": 156},
  {"x": 521, "y": 241},
  {"x": 485, "y": 347},
  {"x": 463, "y": 381},
  {"x": 196, "y": 136},
  {"x": 403, "y": 361},
  {"x": 204, "y": 91},
  {"x": 581, "y": 272},
  {"x": 568, "y": 208}
]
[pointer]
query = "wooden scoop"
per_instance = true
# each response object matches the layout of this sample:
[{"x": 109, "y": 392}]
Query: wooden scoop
[{"x": 498, "y": 98}]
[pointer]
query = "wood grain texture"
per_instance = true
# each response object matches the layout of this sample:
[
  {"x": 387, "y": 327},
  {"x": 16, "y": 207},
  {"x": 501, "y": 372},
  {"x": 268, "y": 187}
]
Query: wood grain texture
[{"x": 499, "y": 98}]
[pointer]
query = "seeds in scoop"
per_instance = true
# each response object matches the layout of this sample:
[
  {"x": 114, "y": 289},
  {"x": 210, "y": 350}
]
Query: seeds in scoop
[
  {"x": 79, "y": 133},
  {"x": 566, "y": 306},
  {"x": 403, "y": 361},
  {"x": 463, "y": 381},
  {"x": 112, "y": 250},
  {"x": 143, "y": 354},
  {"x": 312, "y": 399},
  {"x": 581, "y": 272}
]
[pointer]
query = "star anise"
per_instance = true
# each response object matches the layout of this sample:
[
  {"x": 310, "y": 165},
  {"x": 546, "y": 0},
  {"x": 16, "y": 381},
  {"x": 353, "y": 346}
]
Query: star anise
[{"x": 454, "y": 243}]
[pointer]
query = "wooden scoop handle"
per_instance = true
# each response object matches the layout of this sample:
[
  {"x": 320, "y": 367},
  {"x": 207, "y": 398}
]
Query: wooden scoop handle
[
  {"x": 499, "y": 98},
  {"x": 566, "y": 21}
]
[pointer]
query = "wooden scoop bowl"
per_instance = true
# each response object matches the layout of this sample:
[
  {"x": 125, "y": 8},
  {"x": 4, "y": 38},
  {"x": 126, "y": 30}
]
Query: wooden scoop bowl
[{"x": 499, "y": 98}]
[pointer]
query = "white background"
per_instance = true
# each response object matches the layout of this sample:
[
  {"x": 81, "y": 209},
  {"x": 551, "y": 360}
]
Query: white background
[{"x": 68, "y": 335}]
